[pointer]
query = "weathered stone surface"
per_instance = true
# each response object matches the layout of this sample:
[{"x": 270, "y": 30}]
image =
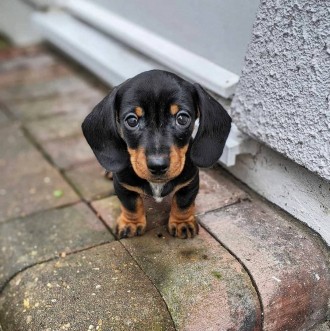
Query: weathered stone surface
[
  {"x": 11, "y": 53},
  {"x": 99, "y": 289},
  {"x": 27, "y": 181},
  {"x": 54, "y": 87},
  {"x": 31, "y": 71},
  {"x": 56, "y": 127},
  {"x": 288, "y": 263},
  {"x": 204, "y": 287},
  {"x": 90, "y": 181},
  {"x": 322, "y": 327},
  {"x": 109, "y": 209},
  {"x": 216, "y": 191},
  {"x": 45, "y": 235},
  {"x": 76, "y": 151},
  {"x": 78, "y": 102},
  {"x": 4, "y": 120},
  {"x": 18, "y": 60}
]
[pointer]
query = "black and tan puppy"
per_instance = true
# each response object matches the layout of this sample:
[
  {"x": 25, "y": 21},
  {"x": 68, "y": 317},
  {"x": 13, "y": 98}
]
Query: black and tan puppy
[{"x": 142, "y": 132}]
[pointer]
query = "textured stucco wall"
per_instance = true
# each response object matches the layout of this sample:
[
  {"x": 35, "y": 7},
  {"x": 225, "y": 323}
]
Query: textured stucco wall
[{"x": 283, "y": 98}]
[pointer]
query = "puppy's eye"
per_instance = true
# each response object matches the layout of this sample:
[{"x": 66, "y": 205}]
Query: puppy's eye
[
  {"x": 131, "y": 121},
  {"x": 183, "y": 119}
]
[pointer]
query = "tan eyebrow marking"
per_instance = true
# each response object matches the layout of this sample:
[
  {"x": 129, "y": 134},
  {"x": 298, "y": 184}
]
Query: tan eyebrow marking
[
  {"x": 174, "y": 109},
  {"x": 138, "y": 111}
]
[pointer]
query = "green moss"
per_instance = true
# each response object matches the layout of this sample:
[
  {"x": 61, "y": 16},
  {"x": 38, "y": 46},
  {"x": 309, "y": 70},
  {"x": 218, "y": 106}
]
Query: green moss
[
  {"x": 4, "y": 43},
  {"x": 58, "y": 193},
  {"x": 217, "y": 274}
]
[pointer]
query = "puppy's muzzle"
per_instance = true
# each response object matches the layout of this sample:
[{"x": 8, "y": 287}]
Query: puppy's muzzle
[{"x": 158, "y": 164}]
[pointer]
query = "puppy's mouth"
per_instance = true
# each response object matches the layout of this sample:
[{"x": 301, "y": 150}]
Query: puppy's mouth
[{"x": 158, "y": 179}]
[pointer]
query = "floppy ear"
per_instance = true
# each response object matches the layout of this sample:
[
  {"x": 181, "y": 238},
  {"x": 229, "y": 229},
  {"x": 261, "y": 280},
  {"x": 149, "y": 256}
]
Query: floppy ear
[
  {"x": 214, "y": 127},
  {"x": 100, "y": 131}
]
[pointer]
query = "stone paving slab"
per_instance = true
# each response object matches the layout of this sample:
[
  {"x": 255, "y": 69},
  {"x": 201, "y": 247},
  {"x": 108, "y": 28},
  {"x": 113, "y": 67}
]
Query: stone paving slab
[
  {"x": 204, "y": 287},
  {"x": 31, "y": 71},
  {"x": 54, "y": 87},
  {"x": 75, "y": 153},
  {"x": 90, "y": 181},
  {"x": 28, "y": 183},
  {"x": 11, "y": 52},
  {"x": 99, "y": 289},
  {"x": 289, "y": 264},
  {"x": 4, "y": 120},
  {"x": 216, "y": 191},
  {"x": 57, "y": 127},
  {"x": 81, "y": 102},
  {"x": 34, "y": 60},
  {"x": 322, "y": 327},
  {"x": 46, "y": 235}
]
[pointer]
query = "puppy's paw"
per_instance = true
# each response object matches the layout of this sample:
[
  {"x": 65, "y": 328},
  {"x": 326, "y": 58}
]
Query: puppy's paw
[
  {"x": 127, "y": 229},
  {"x": 183, "y": 229}
]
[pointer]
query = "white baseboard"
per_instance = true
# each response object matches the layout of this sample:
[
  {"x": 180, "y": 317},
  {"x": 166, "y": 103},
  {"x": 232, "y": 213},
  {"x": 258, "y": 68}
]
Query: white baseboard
[{"x": 110, "y": 60}]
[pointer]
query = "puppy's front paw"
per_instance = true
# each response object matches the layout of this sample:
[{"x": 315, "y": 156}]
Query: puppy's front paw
[
  {"x": 128, "y": 229},
  {"x": 183, "y": 229}
]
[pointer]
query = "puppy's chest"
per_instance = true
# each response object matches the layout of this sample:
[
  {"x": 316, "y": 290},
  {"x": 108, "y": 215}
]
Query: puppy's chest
[{"x": 157, "y": 190}]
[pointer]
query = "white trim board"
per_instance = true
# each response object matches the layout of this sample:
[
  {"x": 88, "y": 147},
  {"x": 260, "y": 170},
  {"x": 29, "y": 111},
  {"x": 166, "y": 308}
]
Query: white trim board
[
  {"x": 188, "y": 64},
  {"x": 107, "y": 58}
]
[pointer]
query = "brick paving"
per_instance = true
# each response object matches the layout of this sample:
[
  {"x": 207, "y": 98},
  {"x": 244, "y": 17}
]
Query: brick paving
[{"x": 252, "y": 267}]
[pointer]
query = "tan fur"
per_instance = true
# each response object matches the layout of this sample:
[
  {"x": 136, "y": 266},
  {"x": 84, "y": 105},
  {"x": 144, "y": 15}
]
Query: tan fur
[
  {"x": 133, "y": 188},
  {"x": 182, "y": 219},
  {"x": 132, "y": 220},
  {"x": 139, "y": 162},
  {"x": 138, "y": 111},
  {"x": 174, "y": 109},
  {"x": 177, "y": 160}
]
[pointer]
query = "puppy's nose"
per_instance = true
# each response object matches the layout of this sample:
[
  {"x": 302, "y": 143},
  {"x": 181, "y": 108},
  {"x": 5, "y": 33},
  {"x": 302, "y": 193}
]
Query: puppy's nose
[{"x": 157, "y": 165}]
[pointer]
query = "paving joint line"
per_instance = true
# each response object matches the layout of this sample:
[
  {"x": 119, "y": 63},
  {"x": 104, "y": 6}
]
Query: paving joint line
[
  {"x": 223, "y": 207},
  {"x": 89, "y": 204},
  {"x": 37, "y": 212},
  {"x": 246, "y": 269},
  {"x": 2, "y": 288},
  {"x": 161, "y": 296}
]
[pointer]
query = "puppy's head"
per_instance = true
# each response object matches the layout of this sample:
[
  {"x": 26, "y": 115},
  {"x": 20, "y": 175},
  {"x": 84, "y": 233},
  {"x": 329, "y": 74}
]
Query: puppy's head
[{"x": 148, "y": 122}]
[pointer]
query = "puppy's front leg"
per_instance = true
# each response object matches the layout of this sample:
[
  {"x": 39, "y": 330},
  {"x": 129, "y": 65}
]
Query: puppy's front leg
[
  {"x": 132, "y": 220},
  {"x": 182, "y": 222}
]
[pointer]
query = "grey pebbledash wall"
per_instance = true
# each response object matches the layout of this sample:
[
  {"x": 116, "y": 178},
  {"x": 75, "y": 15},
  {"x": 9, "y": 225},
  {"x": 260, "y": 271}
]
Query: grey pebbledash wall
[{"x": 283, "y": 97}]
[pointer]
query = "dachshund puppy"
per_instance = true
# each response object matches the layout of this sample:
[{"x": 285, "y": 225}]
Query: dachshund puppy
[{"x": 142, "y": 133}]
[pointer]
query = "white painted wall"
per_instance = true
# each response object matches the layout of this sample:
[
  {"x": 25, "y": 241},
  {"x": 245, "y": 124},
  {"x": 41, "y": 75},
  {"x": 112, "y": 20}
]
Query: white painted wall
[{"x": 216, "y": 30}]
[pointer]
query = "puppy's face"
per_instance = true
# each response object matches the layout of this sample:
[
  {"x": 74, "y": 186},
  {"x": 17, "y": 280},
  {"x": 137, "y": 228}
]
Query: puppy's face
[
  {"x": 148, "y": 121},
  {"x": 155, "y": 117}
]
